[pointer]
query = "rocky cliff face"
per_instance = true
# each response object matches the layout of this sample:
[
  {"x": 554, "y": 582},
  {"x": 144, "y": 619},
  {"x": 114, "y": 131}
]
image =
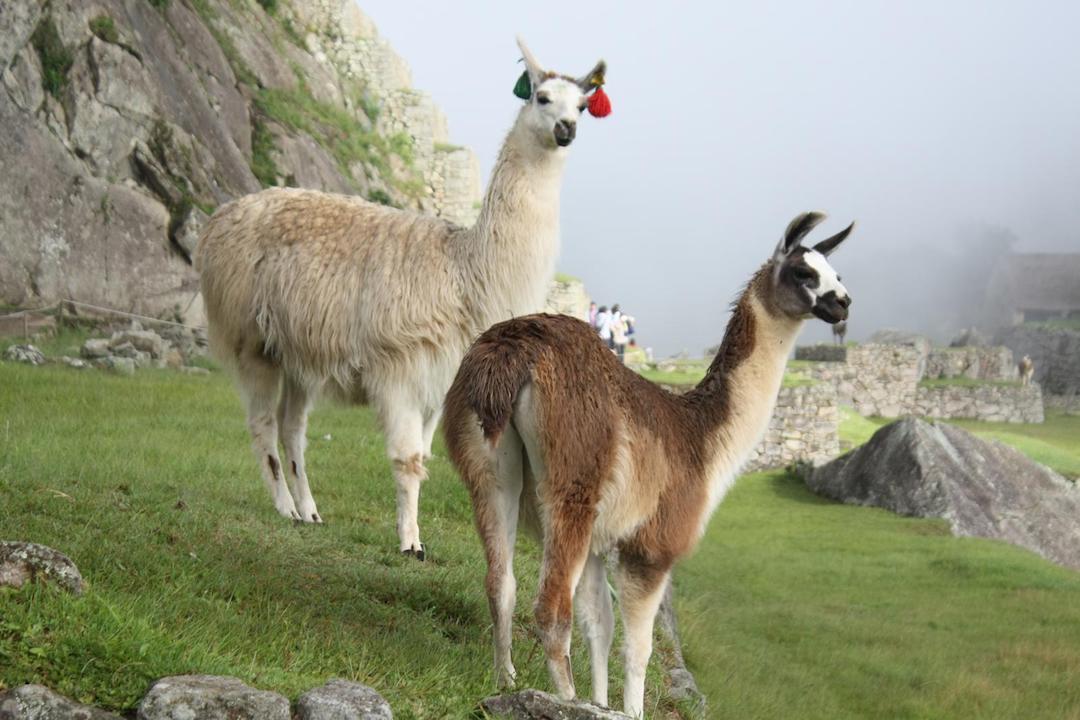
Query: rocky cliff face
[{"x": 127, "y": 122}]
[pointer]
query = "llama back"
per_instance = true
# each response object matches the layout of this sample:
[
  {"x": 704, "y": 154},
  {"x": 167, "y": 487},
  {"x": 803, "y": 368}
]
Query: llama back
[{"x": 322, "y": 280}]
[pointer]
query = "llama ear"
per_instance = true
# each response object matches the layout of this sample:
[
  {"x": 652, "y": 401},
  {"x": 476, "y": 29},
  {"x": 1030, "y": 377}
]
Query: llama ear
[
  {"x": 796, "y": 231},
  {"x": 532, "y": 65},
  {"x": 827, "y": 245},
  {"x": 594, "y": 78}
]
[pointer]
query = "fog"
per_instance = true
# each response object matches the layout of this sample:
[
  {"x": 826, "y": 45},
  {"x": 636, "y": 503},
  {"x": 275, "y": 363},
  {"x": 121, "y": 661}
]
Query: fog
[{"x": 949, "y": 131}]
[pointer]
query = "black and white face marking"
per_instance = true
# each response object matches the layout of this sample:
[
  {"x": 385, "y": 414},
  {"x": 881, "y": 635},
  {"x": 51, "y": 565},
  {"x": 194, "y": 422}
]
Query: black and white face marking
[
  {"x": 557, "y": 101},
  {"x": 805, "y": 283}
]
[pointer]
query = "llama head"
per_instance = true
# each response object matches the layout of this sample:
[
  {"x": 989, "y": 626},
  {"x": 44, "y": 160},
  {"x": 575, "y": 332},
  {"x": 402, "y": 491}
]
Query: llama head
[
  {"x": 554, "y": 102},
  {"x": 803, "y": 283}
]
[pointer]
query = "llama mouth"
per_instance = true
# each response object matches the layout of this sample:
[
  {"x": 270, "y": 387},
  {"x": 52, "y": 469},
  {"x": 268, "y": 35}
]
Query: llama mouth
[
  {"x": 563, "y": 141},
  {"x": 830, "y": 315}
]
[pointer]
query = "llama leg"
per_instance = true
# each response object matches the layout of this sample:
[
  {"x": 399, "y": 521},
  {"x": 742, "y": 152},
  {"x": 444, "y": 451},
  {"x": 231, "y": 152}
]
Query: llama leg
[
  {"x": 496, "y": 511},
  {"x": 593, "y": 602},
  {"x": 292, "y": 421},
  {"x": 404, "y": 429},
  {"x": 261, "y": 383},
  {"x": 431, "y": 422},
  {"x": 566, "y": 548},
  {"x": 641, "y": 590}
]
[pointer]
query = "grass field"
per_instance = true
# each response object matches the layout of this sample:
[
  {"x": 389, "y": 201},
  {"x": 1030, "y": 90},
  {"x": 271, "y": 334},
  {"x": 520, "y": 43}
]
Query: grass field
[
  {"x": 148, "y": 483},
  {"x": 793, "y": 606}
]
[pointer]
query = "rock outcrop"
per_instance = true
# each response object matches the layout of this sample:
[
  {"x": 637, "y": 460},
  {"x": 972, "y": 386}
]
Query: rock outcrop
[
  {"x": 35, "y": 702},
  {"x": 538, "y": 705},
  {"x": 130, "y": 122},
  {"x": 983, "y": 489},
  {"x": 210, "y": 697},
  {"x": 23, "y": 562},
  {"x": 342, "y": 700}
]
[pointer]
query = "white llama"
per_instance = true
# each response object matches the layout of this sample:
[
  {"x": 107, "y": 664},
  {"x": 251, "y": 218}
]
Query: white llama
[
  {"x": 544, "y": 421},
  {"x": 306, "y": 290}
]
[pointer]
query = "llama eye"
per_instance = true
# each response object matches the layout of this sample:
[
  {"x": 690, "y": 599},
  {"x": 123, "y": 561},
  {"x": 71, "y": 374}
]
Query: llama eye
[
  {"x": 802, "y": 275},
  {"x": 543, "y": 99},
  {"x": 581, "y": 107}
]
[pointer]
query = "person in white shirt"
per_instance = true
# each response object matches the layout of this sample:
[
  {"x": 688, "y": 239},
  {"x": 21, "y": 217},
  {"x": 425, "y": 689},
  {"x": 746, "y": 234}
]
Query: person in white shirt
[{"x": 603, "y": 325}]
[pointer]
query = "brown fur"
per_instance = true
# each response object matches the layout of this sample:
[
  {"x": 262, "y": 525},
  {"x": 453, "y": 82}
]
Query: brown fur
[{"x": 611, "y": 461}]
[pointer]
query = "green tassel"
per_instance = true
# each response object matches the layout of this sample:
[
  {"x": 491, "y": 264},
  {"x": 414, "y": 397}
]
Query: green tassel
[{"x": 523, "y": 88}]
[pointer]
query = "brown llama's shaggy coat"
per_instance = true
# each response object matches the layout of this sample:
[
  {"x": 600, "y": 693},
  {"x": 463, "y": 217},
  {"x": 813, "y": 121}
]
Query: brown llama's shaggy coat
[{"x": 544, "y": 423}]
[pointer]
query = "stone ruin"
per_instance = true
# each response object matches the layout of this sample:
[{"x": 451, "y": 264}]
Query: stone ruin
[{"x": 888, "y": 377}]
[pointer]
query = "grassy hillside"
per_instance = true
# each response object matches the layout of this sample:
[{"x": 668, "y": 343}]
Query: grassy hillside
[
  {"x": 149, "y": 485},
  {"x": 793, "y": 606}
]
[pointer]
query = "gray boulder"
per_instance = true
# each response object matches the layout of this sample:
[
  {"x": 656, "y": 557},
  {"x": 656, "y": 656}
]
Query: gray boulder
[
  {"x": 144, "y": 340},
  {"x": 538, "y": 705},
  {"x": 24, "y": 354},
  {"x": 984, "y": 489},
  {"x": 35, "y": 702},
  {"x": 23, "y": 562},
  {"x": 95, "y": 348},
  {"x": 118, "y": 365},
  {"x": 342, "y": 700},
  {"x": 210, "y": 697}
]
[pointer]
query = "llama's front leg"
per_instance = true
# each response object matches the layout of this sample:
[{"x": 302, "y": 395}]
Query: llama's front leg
[
  {"x": 641, "y": 590},
  {"x": 431, "y": 422},
  {"x": 405, "y": 446},
  {"x": 597, "y": 621},
  {"x": 292, "y": 419}
]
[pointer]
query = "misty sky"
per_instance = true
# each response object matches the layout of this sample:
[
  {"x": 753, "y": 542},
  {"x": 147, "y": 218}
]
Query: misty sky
[{"x": 928, "y": 122}]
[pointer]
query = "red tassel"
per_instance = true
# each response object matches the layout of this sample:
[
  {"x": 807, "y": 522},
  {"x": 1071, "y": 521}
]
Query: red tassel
[{"x": 599, "y": 104}]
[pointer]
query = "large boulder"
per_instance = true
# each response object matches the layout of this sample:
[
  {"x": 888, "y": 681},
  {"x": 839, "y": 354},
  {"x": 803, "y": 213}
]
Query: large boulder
[
  {"x": 35, "y": 702},
  {"x": 23, "y": 562},
  {"x": 538, "y": 705},
  {"x": 210, "y": 697},
  {"x": 982, "y": 488}
]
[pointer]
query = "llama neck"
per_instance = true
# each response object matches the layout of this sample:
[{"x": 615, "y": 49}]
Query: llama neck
[
  {"x": 736, "y": 398},
  {"x": 508, "y": 257}
]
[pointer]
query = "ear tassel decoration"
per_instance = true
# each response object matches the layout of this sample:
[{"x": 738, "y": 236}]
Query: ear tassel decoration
[
  {"x": 523, "y": 88},
  {"x": 599, "y": 103}
]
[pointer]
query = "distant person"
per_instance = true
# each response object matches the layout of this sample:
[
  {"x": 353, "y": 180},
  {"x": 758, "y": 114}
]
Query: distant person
[
  {"x": 620, "y": 323},
  {"x": 1027, "y": 369},
  {"x": 603, "y": 326},
  {"x": 839, "y": 331},
  {"x": 592, "y": 315}
]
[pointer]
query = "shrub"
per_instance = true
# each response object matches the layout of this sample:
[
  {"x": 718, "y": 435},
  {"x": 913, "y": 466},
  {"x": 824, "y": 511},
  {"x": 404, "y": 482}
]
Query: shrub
[
  {"x": 56, "y": 59},
  {"x": 269, "y": 5},
  {"x": 104, "y": 27}
]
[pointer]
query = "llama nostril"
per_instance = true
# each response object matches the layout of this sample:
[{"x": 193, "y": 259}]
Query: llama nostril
[{"x": 844, "y": 301}]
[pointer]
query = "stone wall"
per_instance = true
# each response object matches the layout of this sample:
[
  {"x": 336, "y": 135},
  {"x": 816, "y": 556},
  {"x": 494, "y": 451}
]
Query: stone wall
[
  {"x": 976, "y": 363},
  {"x": 881, "y": 379},
  {"x": 568, "y": 297},
  {"x": 822, "y": 352},
  {"x": 1055, "y": 352},
  {"x": 804, "y": 428},
  {"x": 990, "y": 402}
]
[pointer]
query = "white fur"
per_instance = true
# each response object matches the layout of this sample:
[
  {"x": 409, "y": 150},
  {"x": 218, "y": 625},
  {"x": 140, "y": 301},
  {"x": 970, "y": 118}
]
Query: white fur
[{"x": 828, "y": 280}]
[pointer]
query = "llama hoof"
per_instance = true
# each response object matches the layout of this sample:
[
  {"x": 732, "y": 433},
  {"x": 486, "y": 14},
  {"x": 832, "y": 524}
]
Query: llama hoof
[
  {"x": 315, "y": 518},
  {"x": 416, "y": 553},
  {"x": 295, "y": 516}
]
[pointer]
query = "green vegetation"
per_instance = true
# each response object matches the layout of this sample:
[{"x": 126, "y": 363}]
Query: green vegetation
[
  {"x": 104, "y": 27},
  {"x": 270, "y": 6},
  {"x": 262, "y": 152},
  {"x": 148, "y": 483},
  {"x": 690, "y": 372},
  {"x": 798, "y": 607},
  {"x": 961, "y": 381},
  {"x": 448, "y": 147},
  {"x": 337, "y": 131},
  {"x": 566, "y": 278},
  {"x": 1070, "y": 323},
  {"x": 56, "y": 59}
]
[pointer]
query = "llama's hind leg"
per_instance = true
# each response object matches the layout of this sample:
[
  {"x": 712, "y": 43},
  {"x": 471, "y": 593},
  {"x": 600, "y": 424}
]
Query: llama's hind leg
[
  {"x": 260, "y": 383},
  {"x": 592, "y": 600},
  {"x": 292, "y": 421},
  {"x": 404, "y": 429},
  {"x": 641, "y": 590}
]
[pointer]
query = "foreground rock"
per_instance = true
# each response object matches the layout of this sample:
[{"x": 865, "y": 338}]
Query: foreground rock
[
  {"x": 24, "y": 354},
  {"x": 983, "y": 489},
  {"x": 35, "y": 702},
  {"x": 537, "y": 705},
  {"x": 23, "y": 562},
  {"x": 683, "y": 686},
  {"x": 342, "y": 700},
  {"x": 210, "y": 697}
]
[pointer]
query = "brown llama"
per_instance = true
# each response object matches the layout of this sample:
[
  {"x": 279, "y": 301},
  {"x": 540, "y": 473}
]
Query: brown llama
[{"x": 544, "y": 423}]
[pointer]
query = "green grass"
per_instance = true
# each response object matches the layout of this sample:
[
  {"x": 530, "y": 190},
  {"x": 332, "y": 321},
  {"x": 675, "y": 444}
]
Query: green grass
[
  {"x": 148, "y": 483},
  {"x": 1054, "y": 443},
  {"x": 56, "y": 58},
  {"x": 690, "y": 372},
  {"x": 798, "y": 607},
  {"x": 104, "y": 27},
  {"x": 566, "y": 278},
  {"x": 1072, "y": 323},
  {"x": 961, "y": 381}
]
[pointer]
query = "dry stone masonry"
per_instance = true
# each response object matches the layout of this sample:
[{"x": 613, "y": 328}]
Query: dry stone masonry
[
  {"x": 804, "y": 428},
  {"x": 903, "y": 375}
]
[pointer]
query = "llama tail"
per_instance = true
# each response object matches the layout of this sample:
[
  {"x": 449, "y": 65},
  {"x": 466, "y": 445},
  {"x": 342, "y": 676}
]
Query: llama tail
[{"x": 491, "y": 376}]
